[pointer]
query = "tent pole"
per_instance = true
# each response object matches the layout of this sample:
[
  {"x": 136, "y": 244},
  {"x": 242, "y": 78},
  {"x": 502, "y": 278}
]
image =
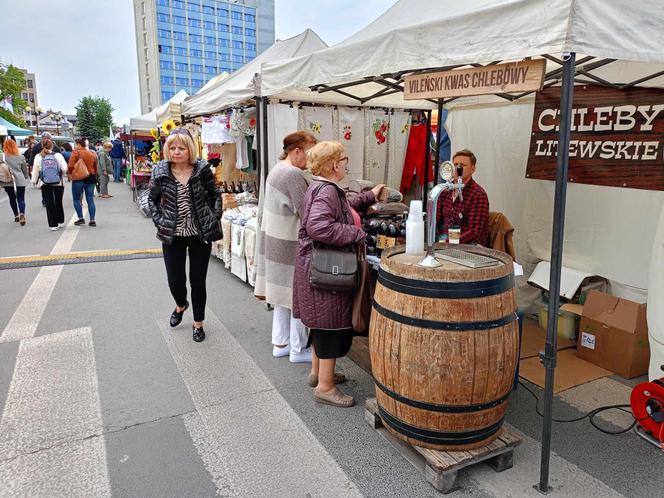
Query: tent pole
[
  {"x": 265, "y": 134},
  {"x": 427, "y": 156},
  {"x": 439, "y": 133},
  {"x": 550, "y": 353},
  {"x": 259, "y": 149}
]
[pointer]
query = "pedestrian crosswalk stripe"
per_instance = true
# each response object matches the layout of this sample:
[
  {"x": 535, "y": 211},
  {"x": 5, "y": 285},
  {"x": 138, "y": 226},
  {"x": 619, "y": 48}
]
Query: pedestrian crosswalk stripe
[{"x": 51, "y": 430}]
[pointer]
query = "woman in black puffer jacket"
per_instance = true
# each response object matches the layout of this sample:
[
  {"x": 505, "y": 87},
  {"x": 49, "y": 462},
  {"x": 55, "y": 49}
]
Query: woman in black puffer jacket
[{"x": 186, "y": 206}]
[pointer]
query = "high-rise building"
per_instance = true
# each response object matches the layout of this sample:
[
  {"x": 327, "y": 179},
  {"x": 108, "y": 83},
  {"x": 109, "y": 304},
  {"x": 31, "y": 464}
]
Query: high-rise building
[{"x": 183, "y": 43}]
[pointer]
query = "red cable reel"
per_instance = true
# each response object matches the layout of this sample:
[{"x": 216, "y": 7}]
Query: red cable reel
[{"x": 647, "y": 402}]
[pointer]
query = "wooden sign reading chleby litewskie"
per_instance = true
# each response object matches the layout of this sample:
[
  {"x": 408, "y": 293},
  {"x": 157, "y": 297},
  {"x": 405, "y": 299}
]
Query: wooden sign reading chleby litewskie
[
  {"x": 617, "y": 137},
  {"x": 525, "y": 76}
]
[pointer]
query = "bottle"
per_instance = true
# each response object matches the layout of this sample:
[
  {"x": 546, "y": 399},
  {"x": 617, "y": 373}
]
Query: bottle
[
  {"x": 392, "y": 233},
  {"x": 415, "y": 229}
]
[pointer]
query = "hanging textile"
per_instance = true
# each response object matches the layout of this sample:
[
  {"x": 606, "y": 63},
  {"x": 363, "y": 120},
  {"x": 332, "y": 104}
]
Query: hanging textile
[
  {"x": 243, "y": 122},
  {"x": 375, "y": 150},
  {"x": 350, "y": 128},
  {"x": 415, "y": 157},
  {"x": 216, "y": 130},
  {"x": 318, "y": 121},
  {"x": 397, "y": 145},
  {"x": 242, "y": 161},
  {"x": 282, "y": 120}
]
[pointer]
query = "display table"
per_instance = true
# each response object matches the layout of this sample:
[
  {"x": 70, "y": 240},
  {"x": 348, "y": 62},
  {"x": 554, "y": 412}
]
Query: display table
[{"x": 138, "y": 177}]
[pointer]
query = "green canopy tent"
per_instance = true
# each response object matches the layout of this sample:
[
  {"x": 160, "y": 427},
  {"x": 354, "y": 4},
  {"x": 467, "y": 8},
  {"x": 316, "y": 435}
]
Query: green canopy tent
[{"x": 12, "y": 129}]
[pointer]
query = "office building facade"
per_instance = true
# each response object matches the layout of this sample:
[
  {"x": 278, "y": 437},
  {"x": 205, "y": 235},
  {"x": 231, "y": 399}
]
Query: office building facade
[{"x": 181, "y": 44}]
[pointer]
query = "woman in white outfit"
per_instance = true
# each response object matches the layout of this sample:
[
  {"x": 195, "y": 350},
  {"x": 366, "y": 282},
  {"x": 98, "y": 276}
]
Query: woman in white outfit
[{"x": 285, "y": 187}]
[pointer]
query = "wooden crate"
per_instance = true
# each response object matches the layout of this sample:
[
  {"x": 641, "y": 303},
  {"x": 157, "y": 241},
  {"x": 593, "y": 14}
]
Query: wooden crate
[{"x": 441, "y": 468}]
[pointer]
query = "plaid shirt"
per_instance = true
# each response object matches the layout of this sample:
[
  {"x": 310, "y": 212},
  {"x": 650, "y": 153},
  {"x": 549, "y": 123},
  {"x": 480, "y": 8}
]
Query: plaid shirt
[{"x": 471, "y": 214}]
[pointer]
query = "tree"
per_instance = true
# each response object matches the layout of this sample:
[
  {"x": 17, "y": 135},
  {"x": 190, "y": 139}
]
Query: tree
[
  {"x": 95, "y": 117},
  {"x": 12, "y": 84}
]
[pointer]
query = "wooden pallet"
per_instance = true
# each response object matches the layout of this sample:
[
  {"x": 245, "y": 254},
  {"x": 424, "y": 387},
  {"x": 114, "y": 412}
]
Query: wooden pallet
[{"x": 441, "y": 468}]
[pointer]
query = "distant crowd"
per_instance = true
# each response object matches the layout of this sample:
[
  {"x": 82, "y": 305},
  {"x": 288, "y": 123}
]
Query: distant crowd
[{"x": 48, "y": 166}]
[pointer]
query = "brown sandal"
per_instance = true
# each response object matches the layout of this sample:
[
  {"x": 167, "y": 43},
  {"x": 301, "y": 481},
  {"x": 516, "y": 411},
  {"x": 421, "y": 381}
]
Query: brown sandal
[
  {"x": 312, "y": 380},
  {"x": 21, "y": 219},
  {"x": 334, "y": 397}
]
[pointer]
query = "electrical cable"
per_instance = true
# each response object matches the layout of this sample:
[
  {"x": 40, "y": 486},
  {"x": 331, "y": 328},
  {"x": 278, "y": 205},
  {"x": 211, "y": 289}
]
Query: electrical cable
[{"x": 590, "y": 415}]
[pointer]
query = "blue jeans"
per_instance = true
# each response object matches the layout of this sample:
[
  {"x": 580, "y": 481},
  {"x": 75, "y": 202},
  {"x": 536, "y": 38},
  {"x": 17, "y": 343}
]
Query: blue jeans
[
  {"x": 117, "y": 168},
  {"x": 77, "y": 189}
]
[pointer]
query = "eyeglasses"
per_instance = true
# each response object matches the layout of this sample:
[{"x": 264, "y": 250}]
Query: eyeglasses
[
  {"x": 343, "y": 160},
  {"x": 180, "y": 131}
]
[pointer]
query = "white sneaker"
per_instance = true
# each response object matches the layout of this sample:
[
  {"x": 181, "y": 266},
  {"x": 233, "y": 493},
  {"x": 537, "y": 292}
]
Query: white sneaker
[
  {"x": 303, "y": 356},
  {"x": 55, "y": 229},
  {"x": 280, "y": 352},
  {"x": 61, "y": 225}
]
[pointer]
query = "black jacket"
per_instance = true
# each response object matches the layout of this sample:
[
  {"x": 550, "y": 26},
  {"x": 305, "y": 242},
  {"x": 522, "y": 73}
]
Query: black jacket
[{"x": 205, "y": 202}]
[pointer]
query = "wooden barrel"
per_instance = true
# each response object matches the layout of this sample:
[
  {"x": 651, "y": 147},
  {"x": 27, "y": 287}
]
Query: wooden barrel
[{"x": 444, "y": 346}]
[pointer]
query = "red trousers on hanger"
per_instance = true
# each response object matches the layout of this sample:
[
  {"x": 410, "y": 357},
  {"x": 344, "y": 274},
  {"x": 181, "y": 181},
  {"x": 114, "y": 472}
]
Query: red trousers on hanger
[{"x": 417, "y": 158}]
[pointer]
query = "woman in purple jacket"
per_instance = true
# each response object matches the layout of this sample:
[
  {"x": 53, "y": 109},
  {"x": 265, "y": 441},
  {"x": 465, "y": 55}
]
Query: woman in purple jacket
[{"x": 329, "y": 218}]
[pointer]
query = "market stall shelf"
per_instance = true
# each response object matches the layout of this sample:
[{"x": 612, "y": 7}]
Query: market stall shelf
[{"x": 441, "y": 468}]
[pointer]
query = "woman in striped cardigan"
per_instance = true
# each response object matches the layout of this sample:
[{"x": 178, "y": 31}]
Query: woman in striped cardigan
[{"x": 285, "y": 187}]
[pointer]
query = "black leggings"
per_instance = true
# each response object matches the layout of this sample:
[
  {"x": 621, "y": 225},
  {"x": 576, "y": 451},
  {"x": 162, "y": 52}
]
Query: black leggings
[
  {"x": 175, "y": 256},
  {"x": 52, "y": 195},
  {"x": 14, "y": 196}
]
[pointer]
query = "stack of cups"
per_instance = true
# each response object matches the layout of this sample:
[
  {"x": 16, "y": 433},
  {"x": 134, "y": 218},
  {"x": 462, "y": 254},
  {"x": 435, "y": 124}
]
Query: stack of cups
[{"x": 415, "y": 229}]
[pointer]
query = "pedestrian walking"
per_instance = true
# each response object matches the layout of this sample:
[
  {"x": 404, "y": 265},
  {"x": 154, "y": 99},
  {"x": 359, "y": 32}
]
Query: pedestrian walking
[
  {"x": 330, "y": 219},
  {"x": 48, "y": 172},
  {"x": 186, "y": 207},
  {"x": 29, "y": 144},
  {"x": 17, "y": 167},
  {"x": 117, "y": 155},
  {"x": 66, "y": 151},
  {"x": 35, "y": 152},
  {"x": 104, "y": 168},
  {"x": 85, "y": 186},
  {"x": 285, "y": 187}
]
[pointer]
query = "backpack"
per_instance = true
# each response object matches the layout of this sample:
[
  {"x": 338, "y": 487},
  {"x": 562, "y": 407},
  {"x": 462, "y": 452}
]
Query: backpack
[
  {"x": 5, "y": 174},
  {"x": 50, "y": 170}
]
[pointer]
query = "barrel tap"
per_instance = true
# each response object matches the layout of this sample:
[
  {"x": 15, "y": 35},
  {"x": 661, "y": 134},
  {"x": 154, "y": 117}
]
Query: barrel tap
[{"x": 448, "y": 183}]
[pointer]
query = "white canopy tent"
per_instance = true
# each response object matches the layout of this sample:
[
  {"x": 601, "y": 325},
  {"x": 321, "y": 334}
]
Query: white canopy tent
[
  {"x": 621, "y": 48},
  {"x": 239, "y": 86},
  {"x": 150, "y": 120}
]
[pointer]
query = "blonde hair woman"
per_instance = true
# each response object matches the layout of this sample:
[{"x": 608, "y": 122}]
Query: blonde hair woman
[
  {"x": 330, "y": 219},
  {"x": 186, "y": 206}
]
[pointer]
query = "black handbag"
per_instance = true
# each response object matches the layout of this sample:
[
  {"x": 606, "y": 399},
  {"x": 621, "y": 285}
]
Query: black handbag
[{"x": 333, "y": 269}]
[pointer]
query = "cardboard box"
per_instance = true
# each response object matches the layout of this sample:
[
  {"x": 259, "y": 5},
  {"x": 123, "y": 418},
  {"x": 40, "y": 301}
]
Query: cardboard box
[{"x": 614, "y": 334}]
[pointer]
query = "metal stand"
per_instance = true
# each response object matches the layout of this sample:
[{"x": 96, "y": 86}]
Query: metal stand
[
  {"x": 549, "y": 360},
  {"x": 430, "y": 261},
  {"x": 439, "y": 134}
]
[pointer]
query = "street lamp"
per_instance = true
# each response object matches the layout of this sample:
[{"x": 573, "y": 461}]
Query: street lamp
[
  {"x": 38, "y": 111},
  {"x": 58, "y": 120}
]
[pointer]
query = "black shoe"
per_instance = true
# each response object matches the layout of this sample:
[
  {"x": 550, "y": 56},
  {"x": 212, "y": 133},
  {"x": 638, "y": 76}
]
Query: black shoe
[
  {"x": 79, "y": 222},
  {"x": 16, "y": 219},
  {"x": 176, "y": 316},
  {"x": 199, "y": 334},
  {"x": 92, "y": 223}
]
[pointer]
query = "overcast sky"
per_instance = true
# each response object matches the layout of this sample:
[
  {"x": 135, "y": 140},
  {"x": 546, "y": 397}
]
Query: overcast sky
[{"x": 87, "y": 47}]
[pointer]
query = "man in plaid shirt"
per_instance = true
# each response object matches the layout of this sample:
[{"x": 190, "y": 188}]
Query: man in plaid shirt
[{"x": 471, "y": 213}]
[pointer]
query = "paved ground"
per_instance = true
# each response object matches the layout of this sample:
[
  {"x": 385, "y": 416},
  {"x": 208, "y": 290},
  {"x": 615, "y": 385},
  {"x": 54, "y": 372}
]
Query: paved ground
[{"x": 100, "y": 397}]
